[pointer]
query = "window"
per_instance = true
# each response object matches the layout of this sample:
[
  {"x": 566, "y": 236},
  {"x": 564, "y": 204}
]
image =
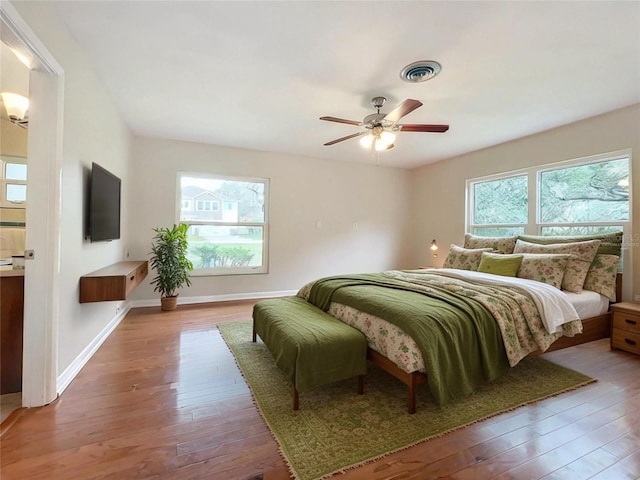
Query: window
[
  {"x": 500, "y": 206},
  {"x": 579, "y": 197},
  {"x": 229, "y": 240},
  {"x": 14, "y": 182},
  {"x": 186, "y": 204}
]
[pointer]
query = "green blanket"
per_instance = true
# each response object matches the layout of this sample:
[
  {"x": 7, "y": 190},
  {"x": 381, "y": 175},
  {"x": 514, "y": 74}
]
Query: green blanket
[{"x": 459, "y": 339}]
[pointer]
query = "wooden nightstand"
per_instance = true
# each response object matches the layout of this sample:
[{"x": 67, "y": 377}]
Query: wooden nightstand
[{"x": 625, "y": 327}]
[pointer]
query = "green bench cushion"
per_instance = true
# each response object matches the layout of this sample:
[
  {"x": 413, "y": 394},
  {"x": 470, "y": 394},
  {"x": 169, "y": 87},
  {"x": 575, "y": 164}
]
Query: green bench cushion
[{"x": 311, "y": 347}]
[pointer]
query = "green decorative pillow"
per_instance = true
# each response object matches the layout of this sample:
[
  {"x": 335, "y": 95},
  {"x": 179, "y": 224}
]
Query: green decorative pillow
[
  {"x": 543, "y": 267},
  {"x": 497, "y": 244},
  {"x": 464, "y": 258},
  {"x": 581, "y": 256},
  {"x": 610, "y": 243},
  {"x": 500, "y": 264},
  {"x": 602, "y": 275}
]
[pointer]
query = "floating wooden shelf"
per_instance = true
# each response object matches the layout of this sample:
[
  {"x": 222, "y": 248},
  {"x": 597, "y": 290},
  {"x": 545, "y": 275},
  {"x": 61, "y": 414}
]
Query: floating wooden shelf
[{"x": 114, "y": 282}]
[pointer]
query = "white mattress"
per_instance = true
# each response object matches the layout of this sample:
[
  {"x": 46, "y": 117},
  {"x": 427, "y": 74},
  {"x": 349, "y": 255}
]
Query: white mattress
[{"x": 588, "y": 304}]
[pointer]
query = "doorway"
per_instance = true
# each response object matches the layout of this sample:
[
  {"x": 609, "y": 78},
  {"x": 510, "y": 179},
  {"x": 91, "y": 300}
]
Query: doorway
[{"x": 42, "y": 219}]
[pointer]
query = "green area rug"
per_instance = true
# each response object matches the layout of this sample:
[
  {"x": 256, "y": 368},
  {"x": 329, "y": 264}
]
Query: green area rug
[{"x": 336, "y": 428}]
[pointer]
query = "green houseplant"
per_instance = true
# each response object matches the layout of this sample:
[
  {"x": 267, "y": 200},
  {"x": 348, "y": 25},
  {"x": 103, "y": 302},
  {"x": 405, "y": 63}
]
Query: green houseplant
[{"x": 169, "y": 260}]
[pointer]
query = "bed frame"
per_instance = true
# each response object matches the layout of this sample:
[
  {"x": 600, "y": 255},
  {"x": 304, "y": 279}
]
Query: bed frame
[{"x": 593, "y": 328}]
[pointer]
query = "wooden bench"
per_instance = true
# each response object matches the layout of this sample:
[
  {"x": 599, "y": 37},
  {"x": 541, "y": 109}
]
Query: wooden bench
[{"x": 311, "y": 347}]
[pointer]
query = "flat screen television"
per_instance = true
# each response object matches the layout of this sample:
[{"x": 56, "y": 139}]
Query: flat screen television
[{"x": 104, "y": 205}]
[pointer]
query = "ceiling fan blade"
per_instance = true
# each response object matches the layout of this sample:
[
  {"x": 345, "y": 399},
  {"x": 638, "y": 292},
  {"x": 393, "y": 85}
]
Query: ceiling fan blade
[
  {"x": 341, "y": 120},
  {"x": 402, "y": 109},
  {"x": 423, "y": 128},
  {"x": 342, "y": 139}
]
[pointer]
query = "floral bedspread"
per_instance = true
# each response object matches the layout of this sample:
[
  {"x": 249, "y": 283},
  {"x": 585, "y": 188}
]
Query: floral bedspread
[{"x": 515, "y": 310}]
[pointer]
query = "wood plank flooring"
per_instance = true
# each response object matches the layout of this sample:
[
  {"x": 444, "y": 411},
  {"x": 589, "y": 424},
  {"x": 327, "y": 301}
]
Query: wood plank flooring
[{"x": 164, "y": 399}]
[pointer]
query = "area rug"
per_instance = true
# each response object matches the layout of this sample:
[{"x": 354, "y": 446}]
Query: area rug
[{"x": 335, "y": 429}]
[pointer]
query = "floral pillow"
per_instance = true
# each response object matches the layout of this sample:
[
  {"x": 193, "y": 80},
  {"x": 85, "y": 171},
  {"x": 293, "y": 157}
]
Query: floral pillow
[
  {"x": 602, "y": 275},
  {"x": 610, "y": 243},
  {"x": 464, "y": 258},
  {"x": 581, "y": 256},
  {"x": 497, "y": 244},
  {"x": 547, "y": 268}
]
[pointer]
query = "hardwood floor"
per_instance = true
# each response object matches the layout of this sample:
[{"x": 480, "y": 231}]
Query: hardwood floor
[{"x": 164, "y": 399}]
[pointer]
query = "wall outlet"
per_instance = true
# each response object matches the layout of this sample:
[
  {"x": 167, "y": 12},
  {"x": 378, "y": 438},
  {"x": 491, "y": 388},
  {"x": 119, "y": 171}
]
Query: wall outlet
[{"x": 354, "y": 225}]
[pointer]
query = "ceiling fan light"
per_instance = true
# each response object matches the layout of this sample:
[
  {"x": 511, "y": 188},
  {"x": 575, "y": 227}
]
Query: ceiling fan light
[
  {"x": 16, "y": 105},
  {"x": 380, "y": 146},
  {"x": 366, "y": 141},
  {"x": 384, "y": 140},
  {"x": 387, "y": 137}
]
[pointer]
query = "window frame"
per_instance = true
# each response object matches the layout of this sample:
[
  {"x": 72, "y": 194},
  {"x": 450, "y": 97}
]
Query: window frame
[
  {"x": 534, "y": 224},
  {"x": 470, "y": 184},
  {"x": 4, "y": 181},
  {"x": 220, "y": 271}
]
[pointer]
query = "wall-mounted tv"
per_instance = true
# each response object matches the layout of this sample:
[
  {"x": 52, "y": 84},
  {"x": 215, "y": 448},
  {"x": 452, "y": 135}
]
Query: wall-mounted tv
[{"x": 104, "y": 205}]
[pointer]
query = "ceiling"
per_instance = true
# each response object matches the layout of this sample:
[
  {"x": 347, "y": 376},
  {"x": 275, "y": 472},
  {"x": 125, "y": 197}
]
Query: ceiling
[{"x": 259, "y": 75}]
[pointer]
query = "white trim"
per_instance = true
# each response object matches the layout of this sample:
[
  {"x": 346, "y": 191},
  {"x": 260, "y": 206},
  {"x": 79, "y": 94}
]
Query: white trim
[
  {"x": 20, "y": 35},
  {"x": 217, "y": 298},
  {"x": 66, "y": 377},
  {"x": 42, "y": 274}
]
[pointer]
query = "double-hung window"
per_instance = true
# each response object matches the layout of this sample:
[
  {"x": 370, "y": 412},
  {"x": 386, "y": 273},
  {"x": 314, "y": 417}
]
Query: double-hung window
[
  {"x": 225, "y": 241},
  {"x": 580, "y": 197},
  {"x": 14, "y": 182}
]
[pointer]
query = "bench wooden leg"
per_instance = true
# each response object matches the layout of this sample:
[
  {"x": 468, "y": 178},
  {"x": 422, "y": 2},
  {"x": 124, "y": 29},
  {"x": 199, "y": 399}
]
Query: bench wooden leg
[
  {"x": 296, "y": 400},
  {"x": 360, "y": 384}
]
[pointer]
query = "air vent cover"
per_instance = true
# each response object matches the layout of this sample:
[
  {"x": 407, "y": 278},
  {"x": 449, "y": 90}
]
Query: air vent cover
[{"x": 420, "y": 71}]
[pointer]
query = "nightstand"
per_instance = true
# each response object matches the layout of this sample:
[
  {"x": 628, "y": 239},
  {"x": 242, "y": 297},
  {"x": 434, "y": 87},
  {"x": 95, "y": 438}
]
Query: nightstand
[{"x": 625, "y": 327}]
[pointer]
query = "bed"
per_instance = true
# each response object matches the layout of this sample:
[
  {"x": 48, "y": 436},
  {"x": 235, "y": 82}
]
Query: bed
[{"x": 532, "y": 312}]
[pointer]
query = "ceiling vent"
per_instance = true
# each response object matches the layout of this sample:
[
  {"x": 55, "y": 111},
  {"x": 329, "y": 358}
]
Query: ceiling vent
[{"x": 421, "y": 71}]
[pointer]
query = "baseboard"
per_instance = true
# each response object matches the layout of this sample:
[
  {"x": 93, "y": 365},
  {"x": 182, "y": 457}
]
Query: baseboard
[
  {"x": 216, "y": 298},
  {"x": 66, "y": 377}
]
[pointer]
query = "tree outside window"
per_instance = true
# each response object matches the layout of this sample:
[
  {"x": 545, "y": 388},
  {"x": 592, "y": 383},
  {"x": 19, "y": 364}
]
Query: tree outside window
[{"x": 575, "y": 198}]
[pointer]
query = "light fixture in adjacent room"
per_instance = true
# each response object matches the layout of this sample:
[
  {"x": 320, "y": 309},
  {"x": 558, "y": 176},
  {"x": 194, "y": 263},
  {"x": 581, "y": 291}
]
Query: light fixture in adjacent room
[{"x": 17, "y": 107}]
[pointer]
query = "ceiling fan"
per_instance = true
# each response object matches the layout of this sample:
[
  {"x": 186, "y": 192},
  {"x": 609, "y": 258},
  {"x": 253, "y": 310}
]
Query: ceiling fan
[{"x": 380, "y": 128}]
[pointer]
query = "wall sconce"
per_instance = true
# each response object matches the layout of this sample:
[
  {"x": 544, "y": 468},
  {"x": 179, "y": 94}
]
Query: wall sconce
[
  {"x": 434, "y": 247},
  {"x": 17, "y": 107}
]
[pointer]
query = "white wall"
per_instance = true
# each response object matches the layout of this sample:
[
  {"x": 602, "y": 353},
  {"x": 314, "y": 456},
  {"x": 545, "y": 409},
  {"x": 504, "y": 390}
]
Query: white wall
[
  {"x": 302, "y": 192},
  {"x": 93, "y": 132},
  {"x": 438, "y": 190}
]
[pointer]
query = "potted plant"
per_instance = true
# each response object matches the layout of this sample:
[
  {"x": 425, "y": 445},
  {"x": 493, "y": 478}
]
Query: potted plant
[{"x": 169, "y": 260}]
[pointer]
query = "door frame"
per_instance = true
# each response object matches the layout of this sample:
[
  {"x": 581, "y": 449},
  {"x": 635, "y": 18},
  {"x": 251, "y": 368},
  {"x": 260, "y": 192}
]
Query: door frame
[{"x": 43, "y": 215}]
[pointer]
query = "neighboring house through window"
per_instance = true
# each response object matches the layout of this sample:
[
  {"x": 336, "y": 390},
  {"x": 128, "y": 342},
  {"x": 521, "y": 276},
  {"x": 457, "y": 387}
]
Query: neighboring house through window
[{"x": 228, "y": 222}]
